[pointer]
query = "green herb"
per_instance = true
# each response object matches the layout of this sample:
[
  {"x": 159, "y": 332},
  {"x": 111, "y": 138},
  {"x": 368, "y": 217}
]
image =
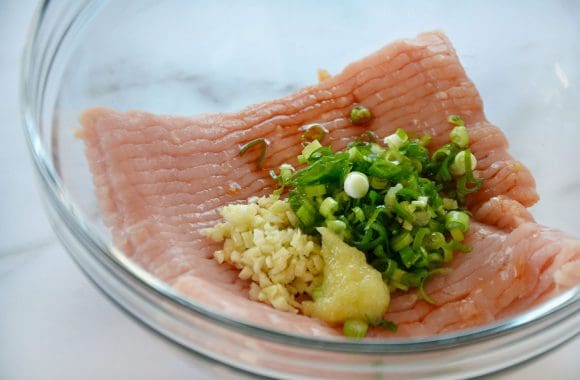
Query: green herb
[
  {"x": 355, "y": 328},
  {"x": 457, "y": 222},
  {"x": 397, "y": 139},
  {"x": 380, "y": 322},
  {"x": 459, "y": 136},
  {"x": 400, "y": 205},
  {"x": 422, "y": 293},
  {"x": 455, "y": 119},
  {"x": 360, "y": 115},
  {"x": 336, "y": 226},
  {"x": 369, "y": 136},
  {"x": 314, "y": 132},
  {"x": 356, "y": 185},
  {"x": 328, "y": 207},
  {"x": 308, "y": 150},
  {"x": 286, "y": 171},
  {"x": 253, "y": 143}
]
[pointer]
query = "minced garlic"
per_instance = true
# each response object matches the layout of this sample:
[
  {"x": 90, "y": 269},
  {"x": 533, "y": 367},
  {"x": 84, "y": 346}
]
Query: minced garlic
[{"x": 259, "y": 239}]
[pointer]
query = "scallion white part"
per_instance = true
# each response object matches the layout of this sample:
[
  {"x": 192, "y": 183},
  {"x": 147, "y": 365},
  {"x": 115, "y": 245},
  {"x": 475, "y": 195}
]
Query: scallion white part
[
  {"x": 356, "y": 185},
  {"x": 397, "y": 139},
  {"x": 457, "y": 168}
]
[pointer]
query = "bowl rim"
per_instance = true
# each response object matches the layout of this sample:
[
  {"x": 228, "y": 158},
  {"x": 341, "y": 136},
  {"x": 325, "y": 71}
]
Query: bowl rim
[{"x": 563, "y": 306}]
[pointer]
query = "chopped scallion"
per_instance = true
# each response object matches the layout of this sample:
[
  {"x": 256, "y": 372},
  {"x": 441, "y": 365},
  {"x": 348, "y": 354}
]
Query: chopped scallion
[
  {"x": 337, "y": 226},
  {"x": 307, "y": 214},
  {"x": 455, "y": 120},
  {"x": 397, "y": 139},
  {"x": 419, "y": 237},
  {"x": 359, "y": 214},
  {"x": 422, "y": 292},
  {"x": 401, "y": 241},
  {"x": 315, "y": 190},
  {"x": 356, "y": 185},
  {"x": 253, "y": 143},
  {"x": 355, "y": 328},
  {"x": 459, "y": 136},
  {"x": 380, "y": 322},
  {"x": 391, "y": 196},
  {"x": 392, "y": 199},
  {"x": 457, "y": 222},
  {"x": 308, "y": 150},
  {"x": 328, "y": 207},
  {"x": 450, "y": 204},
  {"x": 435, "y": 240},
  {"x": 360, "y": 115},
  {"x": 462, "y": 163},
  {"x": 314, "y": 132}
]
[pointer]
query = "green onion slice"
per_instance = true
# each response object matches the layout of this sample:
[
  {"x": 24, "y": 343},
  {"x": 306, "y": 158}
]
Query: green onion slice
[
  {"x": 355, "y": 328},
  {"x": 380, "y": 322},
  {"x": 265, "y": 143},
  {"x": 314, "y": 132},
  {"x": 455, "y": 120},
  {"x": 422, "y": 292},
  {"x": 360, "y": 115},
  {"x": 396, "y": 201},
  {"x": 459, "y": 136}
]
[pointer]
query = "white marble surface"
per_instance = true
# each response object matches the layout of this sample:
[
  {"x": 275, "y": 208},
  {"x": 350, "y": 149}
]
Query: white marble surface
[{"x": 54, "y": 323}]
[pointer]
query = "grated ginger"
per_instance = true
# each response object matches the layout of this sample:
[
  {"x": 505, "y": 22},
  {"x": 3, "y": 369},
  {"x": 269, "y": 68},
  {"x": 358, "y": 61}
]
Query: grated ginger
[{"x": 261, "y": 240}]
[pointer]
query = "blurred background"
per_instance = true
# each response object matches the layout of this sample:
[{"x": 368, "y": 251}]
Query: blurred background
[{"x": 54, "y": 323}]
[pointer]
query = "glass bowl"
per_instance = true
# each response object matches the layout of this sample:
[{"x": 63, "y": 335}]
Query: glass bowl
[{"x": 184, "y": 57}]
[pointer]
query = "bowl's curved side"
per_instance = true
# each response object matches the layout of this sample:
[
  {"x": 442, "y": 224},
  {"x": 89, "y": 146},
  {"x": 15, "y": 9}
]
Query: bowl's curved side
[{"x": 251, "y": 348}]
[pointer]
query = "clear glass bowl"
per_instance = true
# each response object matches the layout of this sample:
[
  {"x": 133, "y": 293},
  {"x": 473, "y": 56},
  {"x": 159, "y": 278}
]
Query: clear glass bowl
[{"x": 184, "y": 57}]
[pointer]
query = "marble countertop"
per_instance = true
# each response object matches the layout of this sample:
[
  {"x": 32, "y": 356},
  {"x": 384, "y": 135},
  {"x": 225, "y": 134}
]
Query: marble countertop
[{"x": 54, "y": 323}]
